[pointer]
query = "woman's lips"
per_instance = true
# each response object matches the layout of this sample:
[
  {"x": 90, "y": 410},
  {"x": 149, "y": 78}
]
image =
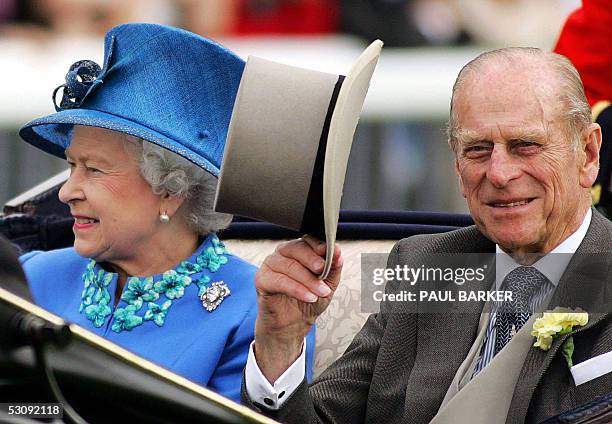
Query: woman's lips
[{"x": 83, "y": 222}]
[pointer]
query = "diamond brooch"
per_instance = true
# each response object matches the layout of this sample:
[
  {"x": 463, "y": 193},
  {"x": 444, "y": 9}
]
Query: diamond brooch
[{"x": 214, "y": 295}]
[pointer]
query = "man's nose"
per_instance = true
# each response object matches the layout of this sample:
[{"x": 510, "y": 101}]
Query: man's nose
[
  {"x": 503, "y": 168},
  {"x": 72, "y": 189}
]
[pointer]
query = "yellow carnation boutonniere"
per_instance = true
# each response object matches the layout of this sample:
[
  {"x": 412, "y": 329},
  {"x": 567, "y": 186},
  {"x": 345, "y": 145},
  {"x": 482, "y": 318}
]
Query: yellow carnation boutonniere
[{"x": 556, "y": 323}]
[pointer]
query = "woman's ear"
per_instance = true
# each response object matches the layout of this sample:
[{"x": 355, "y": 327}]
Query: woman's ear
[{"x": 170, "y": 204}]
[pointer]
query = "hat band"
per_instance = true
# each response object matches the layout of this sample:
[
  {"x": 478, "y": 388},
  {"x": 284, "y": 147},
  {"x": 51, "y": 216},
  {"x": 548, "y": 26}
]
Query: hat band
[{"x": 313, "y": 222}]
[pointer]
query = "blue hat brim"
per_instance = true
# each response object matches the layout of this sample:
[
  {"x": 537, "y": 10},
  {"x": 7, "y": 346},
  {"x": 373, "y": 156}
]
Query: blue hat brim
[{"x": 53, "y": 133}]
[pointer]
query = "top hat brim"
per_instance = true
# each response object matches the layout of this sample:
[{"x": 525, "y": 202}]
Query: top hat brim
[
  {"x": 340, "y": 139},
  {"x": 53, "y": 133}
]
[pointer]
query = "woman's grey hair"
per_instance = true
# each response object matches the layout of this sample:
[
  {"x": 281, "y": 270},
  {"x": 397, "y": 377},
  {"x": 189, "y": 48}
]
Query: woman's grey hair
[
  {"x": 570, "y": 91},
  {"x": 170, "y": 173}
]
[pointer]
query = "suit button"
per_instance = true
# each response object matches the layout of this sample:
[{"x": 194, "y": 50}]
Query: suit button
[{"x": 268, "y": 401}]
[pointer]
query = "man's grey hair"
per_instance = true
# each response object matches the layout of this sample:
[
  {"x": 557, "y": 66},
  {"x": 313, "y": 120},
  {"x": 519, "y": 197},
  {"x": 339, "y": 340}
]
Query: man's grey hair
[
  {"x": 167, "y": 172},
  {"x": 569, "y": 89}
]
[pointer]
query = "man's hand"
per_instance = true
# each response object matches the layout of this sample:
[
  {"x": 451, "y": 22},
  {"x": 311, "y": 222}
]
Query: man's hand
[{"x": 290, "y": 298}]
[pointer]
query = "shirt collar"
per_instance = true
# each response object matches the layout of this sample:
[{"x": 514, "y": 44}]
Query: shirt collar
[{"x": 553, "y": 264}]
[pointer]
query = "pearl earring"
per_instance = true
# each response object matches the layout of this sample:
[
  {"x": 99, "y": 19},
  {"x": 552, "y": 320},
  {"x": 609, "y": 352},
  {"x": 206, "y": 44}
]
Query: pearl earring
[{"x": 163, "y": 217}]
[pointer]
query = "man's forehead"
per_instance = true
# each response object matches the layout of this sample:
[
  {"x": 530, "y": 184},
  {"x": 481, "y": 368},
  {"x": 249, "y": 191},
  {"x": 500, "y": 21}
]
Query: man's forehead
[
  {"x": 520, "y": 78},
  {"x": 468, "y": 136},
  {"x": 511, "y": 99}
]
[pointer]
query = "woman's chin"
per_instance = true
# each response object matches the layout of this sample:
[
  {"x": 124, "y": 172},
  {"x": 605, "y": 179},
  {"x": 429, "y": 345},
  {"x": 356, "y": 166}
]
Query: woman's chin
[{"x": 85, "y": 249}]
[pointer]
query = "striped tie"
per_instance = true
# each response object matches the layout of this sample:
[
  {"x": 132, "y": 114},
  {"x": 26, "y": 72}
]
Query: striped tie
[{"x": 524, "y": 282}]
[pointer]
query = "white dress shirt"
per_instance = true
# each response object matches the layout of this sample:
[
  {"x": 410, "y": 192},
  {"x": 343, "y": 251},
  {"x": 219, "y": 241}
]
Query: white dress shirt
[
  {"x": 273, "y": 396},
  {"x": 552, "y": 266}
]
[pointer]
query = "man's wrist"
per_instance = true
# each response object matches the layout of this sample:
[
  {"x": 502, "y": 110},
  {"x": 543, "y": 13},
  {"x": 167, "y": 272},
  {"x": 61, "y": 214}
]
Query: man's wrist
[
  {"x": 274, "y": 357},
  {"x": 273, "y": 395}
]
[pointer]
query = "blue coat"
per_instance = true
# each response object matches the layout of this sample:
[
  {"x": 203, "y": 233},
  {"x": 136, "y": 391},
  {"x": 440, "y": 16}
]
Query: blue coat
[{"x": 160, "y": 318}]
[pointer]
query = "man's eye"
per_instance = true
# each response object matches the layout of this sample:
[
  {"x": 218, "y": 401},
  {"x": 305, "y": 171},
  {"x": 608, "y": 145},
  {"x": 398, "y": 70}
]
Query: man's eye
[
  {"x": 526, "y": 145},
  {"x": 91, "y": 169},
  {"x": 476, "y": 151}
]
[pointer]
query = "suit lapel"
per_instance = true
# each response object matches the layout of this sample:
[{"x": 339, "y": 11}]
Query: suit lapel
[
  {"x": 486, "y": 398},
  {"x": 467, "y": 366},
  {"x": 443, "y": 341},
  {"x": 582, "y": 285}
]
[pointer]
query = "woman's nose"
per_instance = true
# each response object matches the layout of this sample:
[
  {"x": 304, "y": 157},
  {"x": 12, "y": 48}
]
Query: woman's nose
[{"x": 72, "y": 189}]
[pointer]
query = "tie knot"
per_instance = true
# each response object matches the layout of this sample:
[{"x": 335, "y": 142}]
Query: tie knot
[{"x": 524, "y": 282}]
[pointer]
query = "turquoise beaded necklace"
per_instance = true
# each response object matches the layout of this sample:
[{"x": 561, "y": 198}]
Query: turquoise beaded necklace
[{"x": 157, "y": 296}]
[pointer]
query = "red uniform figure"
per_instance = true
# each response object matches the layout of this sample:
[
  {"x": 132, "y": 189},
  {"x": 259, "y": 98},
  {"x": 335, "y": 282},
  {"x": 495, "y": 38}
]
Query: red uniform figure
[{"x": 586, "y": 39}]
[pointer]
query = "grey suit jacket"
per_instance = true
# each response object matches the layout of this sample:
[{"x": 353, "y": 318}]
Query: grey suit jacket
[{"x": 400, "y": 365}]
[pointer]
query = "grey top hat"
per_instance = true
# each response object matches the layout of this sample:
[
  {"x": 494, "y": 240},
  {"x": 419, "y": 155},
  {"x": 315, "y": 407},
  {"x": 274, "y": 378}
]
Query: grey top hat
[{"x": 288, "y": 144}]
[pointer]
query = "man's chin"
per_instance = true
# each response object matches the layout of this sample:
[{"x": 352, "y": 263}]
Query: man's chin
[{"x": 513, "y": 240}]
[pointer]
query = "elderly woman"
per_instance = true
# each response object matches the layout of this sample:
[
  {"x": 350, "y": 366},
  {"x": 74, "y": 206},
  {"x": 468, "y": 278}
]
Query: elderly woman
[{"x": 144, "y": 136}]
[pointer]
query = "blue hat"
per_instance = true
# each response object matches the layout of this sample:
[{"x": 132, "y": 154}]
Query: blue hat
[{"x": 162, "y": 84}]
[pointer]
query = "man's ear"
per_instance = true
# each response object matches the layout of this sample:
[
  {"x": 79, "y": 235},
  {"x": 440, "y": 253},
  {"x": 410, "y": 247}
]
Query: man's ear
[
  {"x": 461, "y": 186},
  {"x": 590, "y": 143},
  {"x": 170, "y": 204}
]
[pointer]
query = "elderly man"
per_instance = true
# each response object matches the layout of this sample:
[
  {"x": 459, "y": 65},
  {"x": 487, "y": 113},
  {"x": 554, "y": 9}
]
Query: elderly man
[{"x": 526, "y": 153}]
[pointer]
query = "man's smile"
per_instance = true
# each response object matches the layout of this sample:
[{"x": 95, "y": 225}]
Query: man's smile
[{"x": 509, "y": 203}]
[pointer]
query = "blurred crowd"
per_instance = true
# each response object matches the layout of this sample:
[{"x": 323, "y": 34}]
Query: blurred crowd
[{"x": 409, "y": 23}]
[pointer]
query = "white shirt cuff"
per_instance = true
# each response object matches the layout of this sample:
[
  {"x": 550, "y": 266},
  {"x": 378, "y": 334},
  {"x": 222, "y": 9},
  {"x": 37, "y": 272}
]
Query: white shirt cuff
[{"x": 261, "y": 391}]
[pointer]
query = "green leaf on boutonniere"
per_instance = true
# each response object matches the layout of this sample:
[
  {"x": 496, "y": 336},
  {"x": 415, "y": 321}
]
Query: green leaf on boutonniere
[{"x": 568, "y": 350}]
